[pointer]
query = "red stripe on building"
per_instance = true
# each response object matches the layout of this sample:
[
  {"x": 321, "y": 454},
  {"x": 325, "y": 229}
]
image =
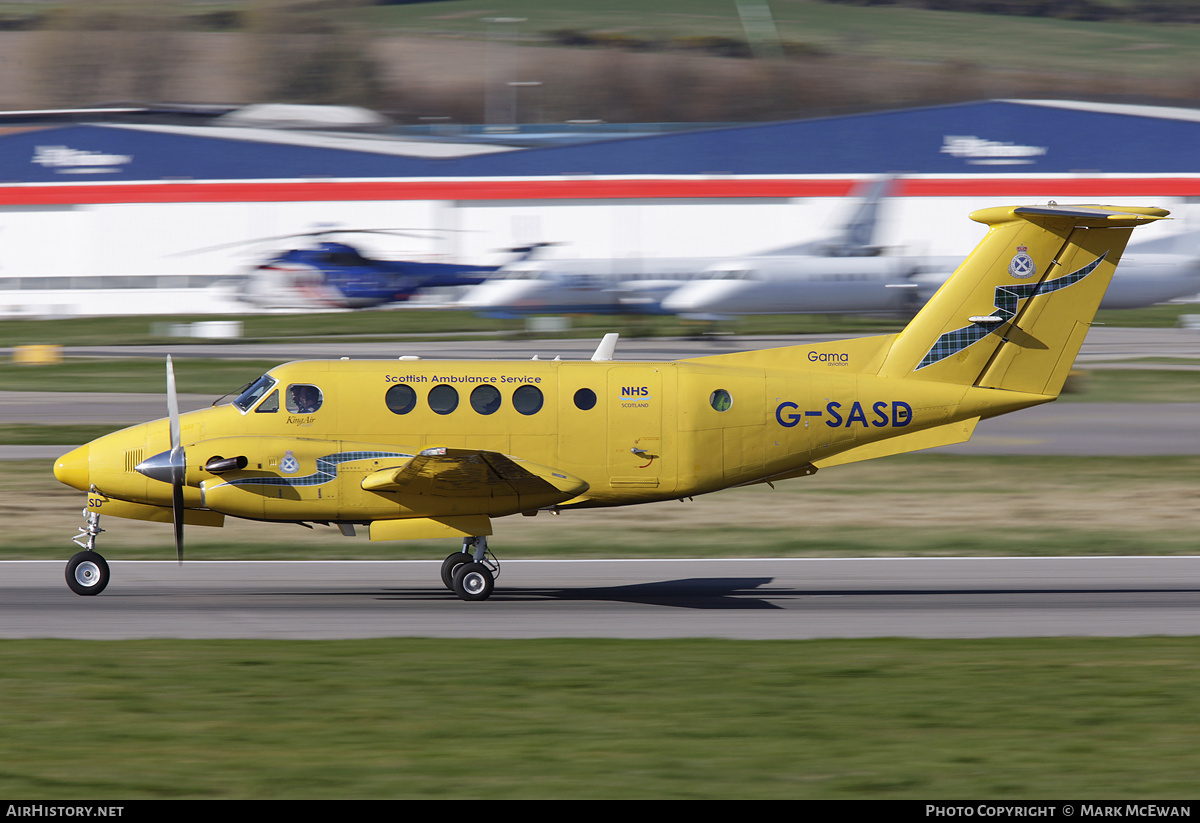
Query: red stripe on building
[
  {"x": 1051, "y": 187},
  {"x": 579, "y": 188}
]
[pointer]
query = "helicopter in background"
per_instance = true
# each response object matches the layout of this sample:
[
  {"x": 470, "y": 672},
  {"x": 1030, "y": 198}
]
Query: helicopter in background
[{"x": 335, "y": 274}]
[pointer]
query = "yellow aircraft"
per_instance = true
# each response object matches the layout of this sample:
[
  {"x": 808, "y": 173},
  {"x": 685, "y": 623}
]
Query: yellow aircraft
[{"x": 414, "y": 449}]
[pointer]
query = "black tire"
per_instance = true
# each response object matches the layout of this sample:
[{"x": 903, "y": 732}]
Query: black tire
[
  {"x": 450, "y": 566},
  {"x": 87, "y": 573},
  {"x": 473, "y": 582}
]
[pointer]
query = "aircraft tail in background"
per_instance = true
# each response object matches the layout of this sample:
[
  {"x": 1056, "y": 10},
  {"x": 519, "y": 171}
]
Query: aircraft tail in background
[{"x": 856, "y": 235}]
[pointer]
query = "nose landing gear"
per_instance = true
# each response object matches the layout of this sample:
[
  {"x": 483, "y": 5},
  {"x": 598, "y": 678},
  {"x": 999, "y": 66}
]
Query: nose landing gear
[{"x": 87, "y": 572}]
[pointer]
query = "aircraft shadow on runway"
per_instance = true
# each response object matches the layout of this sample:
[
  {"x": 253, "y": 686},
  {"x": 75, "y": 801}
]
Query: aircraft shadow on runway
[
  {"x": 745, "y": 593},
  {"x": 689, "y": 593}
]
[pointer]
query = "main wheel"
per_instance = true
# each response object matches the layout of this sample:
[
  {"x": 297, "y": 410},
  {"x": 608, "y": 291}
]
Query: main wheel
[
  {"x": 450, "y": 566},
  {"x": 473, "y": 581},
  {"x": 87, "y": 573}
]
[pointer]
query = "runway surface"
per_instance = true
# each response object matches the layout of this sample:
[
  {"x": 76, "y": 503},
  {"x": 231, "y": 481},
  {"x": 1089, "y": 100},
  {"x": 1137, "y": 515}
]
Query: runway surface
[{"x": 737, "y": 599}]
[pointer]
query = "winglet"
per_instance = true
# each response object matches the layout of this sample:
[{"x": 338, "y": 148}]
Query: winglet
[{"x": 606, "y": 348}]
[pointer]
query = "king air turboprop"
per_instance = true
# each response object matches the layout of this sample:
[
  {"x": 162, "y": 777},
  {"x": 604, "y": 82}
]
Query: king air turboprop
[
  {"x": 788, "y": 285},
  {"x": 422, "y": 449},
  {"x": 641, "y": 286}
]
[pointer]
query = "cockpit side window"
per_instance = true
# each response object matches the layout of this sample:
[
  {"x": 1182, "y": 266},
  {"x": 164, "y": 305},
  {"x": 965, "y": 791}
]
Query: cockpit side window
[
  {"x": 270, "y": 405},
  {"x": 303, "y": 398},
  {"x": 253, "y": 392}
]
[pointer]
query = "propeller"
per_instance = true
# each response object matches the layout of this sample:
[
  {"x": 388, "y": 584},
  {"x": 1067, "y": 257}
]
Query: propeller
[
  {"x": 178, "y": 461},
  {"x": 170, "y": 466}
]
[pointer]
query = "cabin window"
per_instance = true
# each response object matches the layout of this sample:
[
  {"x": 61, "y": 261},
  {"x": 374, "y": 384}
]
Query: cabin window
[
  {"x": 528, "y": 399},
  {"x": 585, "y": 399},
  {"x": 303, "y": 398},
  {"x": 400, "y": 398},
  {"x": 485, "y": 399},
  {"x": 443, "y": 399},
  {"x": 270, "y": 405},
  {"x": 720, "y": 400},
  {"x": 254, "y": 391}
]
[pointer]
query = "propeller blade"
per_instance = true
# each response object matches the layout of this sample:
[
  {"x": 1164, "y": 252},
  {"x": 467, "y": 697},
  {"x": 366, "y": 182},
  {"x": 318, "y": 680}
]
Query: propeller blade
[
  {"x": 177, "y": 519},
  {"x": 178, "y": 460},
  {"x": 172, "y": 404}
]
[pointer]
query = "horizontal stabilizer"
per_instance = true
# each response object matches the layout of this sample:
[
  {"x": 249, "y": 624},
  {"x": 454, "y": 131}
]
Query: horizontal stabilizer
[{"x": 946, "y": 435}]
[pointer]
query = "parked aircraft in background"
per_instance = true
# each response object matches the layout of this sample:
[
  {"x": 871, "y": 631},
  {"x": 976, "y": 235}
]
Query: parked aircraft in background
[
  {"x": 423, "y": 449},
  {"x": 783, "y": 285},
  {"x": 598, "y": 286}
]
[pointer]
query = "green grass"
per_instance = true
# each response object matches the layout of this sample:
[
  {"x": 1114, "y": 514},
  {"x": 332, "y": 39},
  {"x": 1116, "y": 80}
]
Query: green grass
[
  {"x": 148, "y": 375},
  {"x": 1133, "y": 386},
  {"x": 867, "y": 32},
  {"x": 691, "y": 719},
  {"x": 408, "y": 324},
  {"x": 422, "y": 324},
  {"x": 37, "y": 434}
]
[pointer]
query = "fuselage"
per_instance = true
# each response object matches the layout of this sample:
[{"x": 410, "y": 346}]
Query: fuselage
[
  {"x": 623, "y": 432},
  {"x": 808, "y": 285},
  {"x": 582, "y": 286}
]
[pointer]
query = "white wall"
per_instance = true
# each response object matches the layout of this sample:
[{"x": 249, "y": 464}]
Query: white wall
[{"x": 145, "y": 240}]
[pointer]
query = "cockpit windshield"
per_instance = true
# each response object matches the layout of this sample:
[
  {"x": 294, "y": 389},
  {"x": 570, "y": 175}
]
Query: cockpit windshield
[{"x": 256, "y": 390}]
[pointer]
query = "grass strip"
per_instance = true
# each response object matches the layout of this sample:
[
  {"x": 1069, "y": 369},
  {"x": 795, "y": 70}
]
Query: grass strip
[
  {"x": 406, "y": 718},
  {"x": 437, "y": 324}
]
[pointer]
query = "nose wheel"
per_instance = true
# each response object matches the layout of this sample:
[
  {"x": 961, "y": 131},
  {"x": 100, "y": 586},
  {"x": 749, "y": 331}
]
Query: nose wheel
[{"x": 87, "y": 573}]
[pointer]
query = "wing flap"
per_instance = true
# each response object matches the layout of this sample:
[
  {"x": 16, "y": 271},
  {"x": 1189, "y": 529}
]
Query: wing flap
[{"x": 447, "y": 472}]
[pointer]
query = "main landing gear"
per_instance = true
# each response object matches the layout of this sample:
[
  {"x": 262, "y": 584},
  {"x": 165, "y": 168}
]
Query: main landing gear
[
  {"x": 471, "y": 573},
  {"x": 87, "y": 572}
]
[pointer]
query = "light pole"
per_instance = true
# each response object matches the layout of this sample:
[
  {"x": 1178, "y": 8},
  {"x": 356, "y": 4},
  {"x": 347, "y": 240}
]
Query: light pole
[{"x": 492, "y": 103}]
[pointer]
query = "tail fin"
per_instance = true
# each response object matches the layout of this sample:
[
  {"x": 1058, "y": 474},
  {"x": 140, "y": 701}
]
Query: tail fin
[
  {"x": 1015, "y": 312},
  {"x": 856, "y": 236}
]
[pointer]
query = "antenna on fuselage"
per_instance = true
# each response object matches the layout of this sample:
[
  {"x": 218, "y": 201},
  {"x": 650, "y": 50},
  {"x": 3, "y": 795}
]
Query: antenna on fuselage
[{"x": 606, "y": 348}]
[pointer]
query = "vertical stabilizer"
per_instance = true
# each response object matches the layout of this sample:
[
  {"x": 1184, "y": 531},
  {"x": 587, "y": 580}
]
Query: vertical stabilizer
[{"x": 1015, "y": 312}]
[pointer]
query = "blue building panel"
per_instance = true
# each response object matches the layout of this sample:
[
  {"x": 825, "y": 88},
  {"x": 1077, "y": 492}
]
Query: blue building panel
[{"x": 985, "y": 138}]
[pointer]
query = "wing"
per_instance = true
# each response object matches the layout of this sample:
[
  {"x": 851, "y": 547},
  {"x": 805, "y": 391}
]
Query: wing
[{"x": 467, "y": 473}]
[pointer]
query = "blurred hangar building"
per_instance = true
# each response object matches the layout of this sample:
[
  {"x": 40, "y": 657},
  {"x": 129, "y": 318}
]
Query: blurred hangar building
[{"x": 164, "y": 210}]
